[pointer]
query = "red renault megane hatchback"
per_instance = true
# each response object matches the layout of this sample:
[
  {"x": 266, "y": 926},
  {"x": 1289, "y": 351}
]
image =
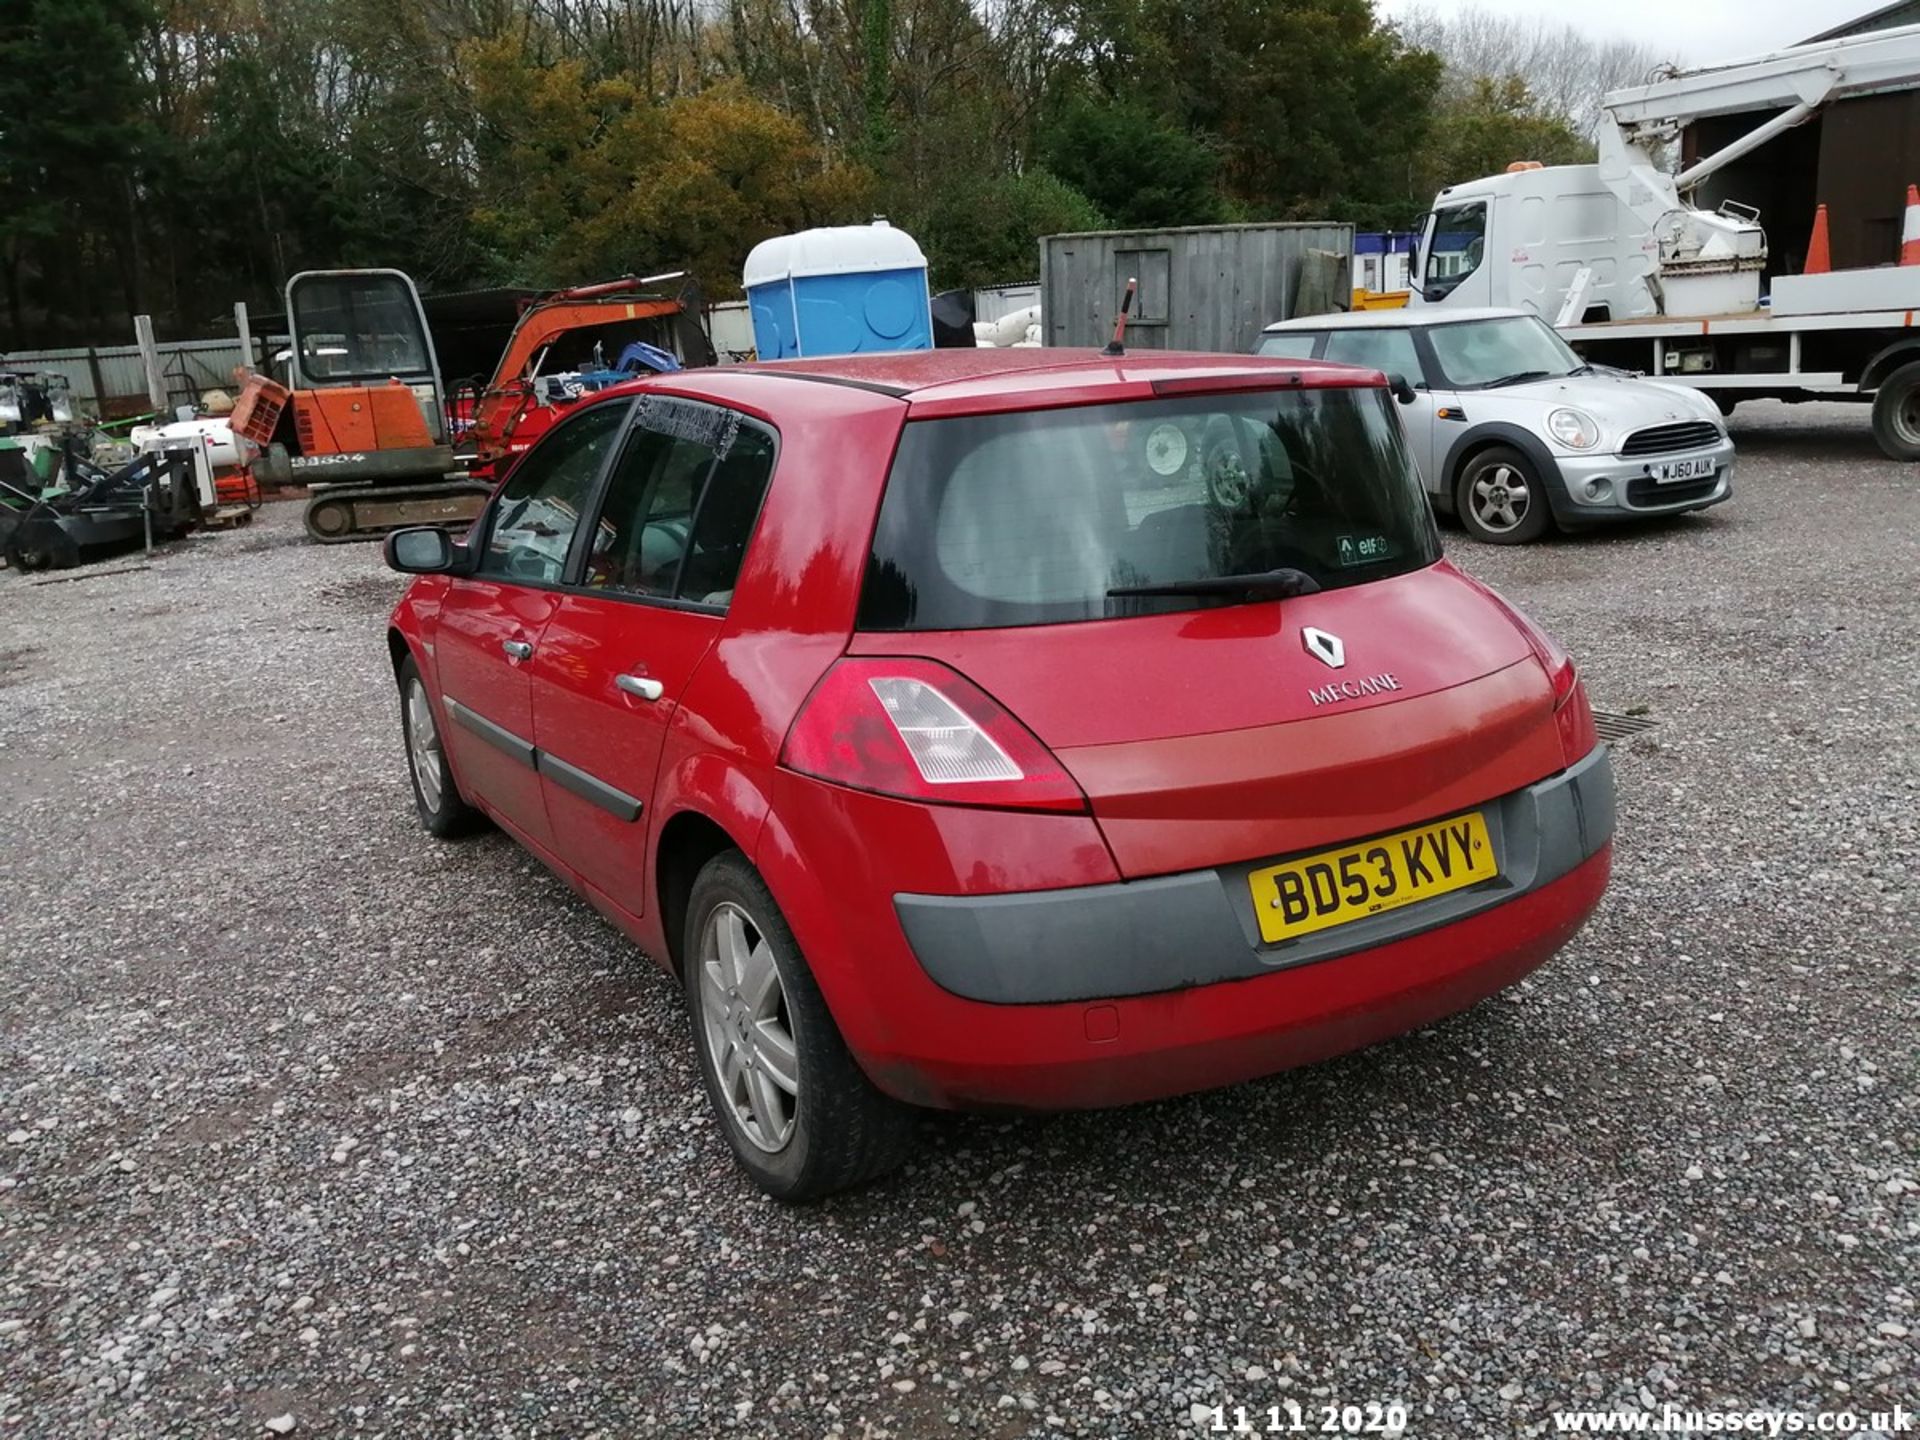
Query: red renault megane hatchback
[{"x": 1026, "y": 728}]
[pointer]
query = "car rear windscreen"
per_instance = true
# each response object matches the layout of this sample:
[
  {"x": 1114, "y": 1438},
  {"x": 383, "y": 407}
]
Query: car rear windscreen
[{"x": 1032, "y": 518}]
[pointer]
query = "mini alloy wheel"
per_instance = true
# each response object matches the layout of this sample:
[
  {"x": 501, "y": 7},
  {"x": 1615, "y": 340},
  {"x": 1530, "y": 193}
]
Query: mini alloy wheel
[{"x": 1500, "y": 499}]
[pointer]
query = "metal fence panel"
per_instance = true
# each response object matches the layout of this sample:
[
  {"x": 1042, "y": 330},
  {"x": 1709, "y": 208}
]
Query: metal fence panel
[
  {"x": 1201, "y": 288},
  {"x": 104, "y": 374}
]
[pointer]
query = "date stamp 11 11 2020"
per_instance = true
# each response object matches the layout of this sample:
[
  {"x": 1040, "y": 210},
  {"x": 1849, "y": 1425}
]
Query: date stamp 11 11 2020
[{"x": 1288, "y": 1417}]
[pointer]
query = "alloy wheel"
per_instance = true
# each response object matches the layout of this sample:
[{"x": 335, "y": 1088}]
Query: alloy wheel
[
  {"x": 423, "y": 746},
  {"x": 748, "y": 1028},
  {"x": 1501, "y": 498}
]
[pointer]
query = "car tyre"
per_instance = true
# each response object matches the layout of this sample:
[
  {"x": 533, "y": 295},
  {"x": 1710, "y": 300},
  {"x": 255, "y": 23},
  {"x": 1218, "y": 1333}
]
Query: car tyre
[
  {"x": 802, "y": 1118},
  {"x": 442, "y": 809},
  {"x": 1500, "y": 498},
  {"x": 1896, "y": 413}
]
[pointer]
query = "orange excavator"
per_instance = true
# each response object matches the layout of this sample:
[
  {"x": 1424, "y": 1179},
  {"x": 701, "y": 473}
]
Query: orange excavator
[
  {"x": 569, "y": 344},
  {"x": 359, "y": 416},
  {"x": 361, "y": 419}
]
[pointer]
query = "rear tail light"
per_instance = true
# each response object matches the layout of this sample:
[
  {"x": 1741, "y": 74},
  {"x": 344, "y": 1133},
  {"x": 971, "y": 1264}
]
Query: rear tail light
[{"x": 918, "y": 730}]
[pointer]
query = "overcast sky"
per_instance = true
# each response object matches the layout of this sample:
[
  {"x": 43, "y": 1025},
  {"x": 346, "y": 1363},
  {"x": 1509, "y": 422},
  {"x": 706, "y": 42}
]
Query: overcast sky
[{"x": 1693, "y": 30}]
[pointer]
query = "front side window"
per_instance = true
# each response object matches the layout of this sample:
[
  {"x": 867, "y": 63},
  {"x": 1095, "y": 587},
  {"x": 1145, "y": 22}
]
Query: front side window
[
  {"x": 1391, "y": 352},
  {"x": 1456, "y": 243},
  {"x": 1483, "y": 354},
  {"x": 681, "y": 505},
  {"x": 539, "y": 507},
  {"x": 1039, "y": 518}
]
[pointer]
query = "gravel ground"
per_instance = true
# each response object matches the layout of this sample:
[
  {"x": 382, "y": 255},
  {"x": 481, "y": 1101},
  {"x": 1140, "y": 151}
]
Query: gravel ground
[{"x": 313, "y": 1123}]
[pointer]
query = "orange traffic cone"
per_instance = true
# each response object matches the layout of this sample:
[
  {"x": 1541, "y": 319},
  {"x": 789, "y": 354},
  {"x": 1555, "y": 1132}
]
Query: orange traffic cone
[
  {"x": 1819, "y": 261},
  {"x": 1910, "y": 229}
]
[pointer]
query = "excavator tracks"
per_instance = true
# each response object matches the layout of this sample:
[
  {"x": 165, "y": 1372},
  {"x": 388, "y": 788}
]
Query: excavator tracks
[{"x": 340, "y": 513}]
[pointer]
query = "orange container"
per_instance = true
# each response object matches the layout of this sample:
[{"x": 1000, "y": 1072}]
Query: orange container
[{"x": 256, "y": 414}]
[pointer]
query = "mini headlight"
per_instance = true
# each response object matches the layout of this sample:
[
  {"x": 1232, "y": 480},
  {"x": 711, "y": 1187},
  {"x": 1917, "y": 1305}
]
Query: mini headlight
[{"x": 1573, "y": 429}]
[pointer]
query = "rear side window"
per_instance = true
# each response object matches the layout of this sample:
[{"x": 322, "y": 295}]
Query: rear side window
[
  {"x": 681, "y": 504},
  {"x": 1290, "y": 344},
  {"x": 1033, "y": 518}
]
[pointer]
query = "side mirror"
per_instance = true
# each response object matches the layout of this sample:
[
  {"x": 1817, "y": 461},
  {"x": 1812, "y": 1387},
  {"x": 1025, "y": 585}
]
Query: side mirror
[
  {"x": 420, "y": 550},
  {"x": 1402, "y": 388}
]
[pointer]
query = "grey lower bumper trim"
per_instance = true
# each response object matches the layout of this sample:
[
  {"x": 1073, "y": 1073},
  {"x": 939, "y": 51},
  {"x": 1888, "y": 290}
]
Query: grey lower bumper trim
[{"x": 1173, "y": 931}]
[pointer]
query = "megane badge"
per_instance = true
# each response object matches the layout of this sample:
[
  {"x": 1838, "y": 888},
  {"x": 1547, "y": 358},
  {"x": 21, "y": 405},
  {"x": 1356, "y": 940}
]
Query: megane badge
[{"x": 1329, "y": 650}]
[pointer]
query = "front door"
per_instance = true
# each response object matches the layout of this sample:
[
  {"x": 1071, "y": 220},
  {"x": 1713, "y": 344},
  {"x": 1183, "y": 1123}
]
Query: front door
[
  {"x": 622, "y": 646},
  {"x": 492, "y": 622},
  {"x": 1392, "y": 351}
]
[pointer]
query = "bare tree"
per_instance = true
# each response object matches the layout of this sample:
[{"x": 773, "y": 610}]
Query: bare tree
[{"x": 1567, "y": 71}]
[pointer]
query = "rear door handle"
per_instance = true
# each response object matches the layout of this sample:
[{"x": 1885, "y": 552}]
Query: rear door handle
[
  {"x": 517, "y": 649},
  {"x": 641, "y": 685}
]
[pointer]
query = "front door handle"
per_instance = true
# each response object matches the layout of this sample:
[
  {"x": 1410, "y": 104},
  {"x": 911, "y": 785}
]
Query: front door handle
[
  {"x": 517, "y": 649},
  {"x": 641, "y": 685}
]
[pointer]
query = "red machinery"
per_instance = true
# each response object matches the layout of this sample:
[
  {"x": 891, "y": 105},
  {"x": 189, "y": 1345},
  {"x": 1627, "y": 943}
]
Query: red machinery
[{"x": 556, "y": 357}]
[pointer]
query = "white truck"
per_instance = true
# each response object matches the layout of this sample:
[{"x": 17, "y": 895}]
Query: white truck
[{"x": 1634, "y": 273}]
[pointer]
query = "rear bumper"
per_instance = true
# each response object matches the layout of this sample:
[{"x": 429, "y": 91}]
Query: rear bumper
[
  {"x": 1174, "y": 932},
  {"x": 1082, "y": 1056}
]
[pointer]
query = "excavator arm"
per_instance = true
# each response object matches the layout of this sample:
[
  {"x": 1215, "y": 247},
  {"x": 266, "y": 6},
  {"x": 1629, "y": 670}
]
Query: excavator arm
[{"x": 508, "y": 395}]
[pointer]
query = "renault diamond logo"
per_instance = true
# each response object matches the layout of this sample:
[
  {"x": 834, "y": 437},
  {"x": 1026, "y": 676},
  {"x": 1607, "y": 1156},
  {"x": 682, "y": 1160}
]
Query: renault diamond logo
[{"x": 1328, "y": 649}]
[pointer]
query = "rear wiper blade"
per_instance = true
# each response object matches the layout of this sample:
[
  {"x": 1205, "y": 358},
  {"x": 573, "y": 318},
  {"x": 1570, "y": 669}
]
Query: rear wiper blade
[
  {"x": 1281, "y": 584},
  {"x": 1518, "y": 377}
]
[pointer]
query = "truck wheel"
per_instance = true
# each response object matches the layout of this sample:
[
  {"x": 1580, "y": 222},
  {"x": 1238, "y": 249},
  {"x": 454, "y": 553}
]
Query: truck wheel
[
  {"x": 1896, "y": 413},
  {"x": 435, "y": 796},
  {"x": 802, "y": 1119},
  {"x": 1500, "y": 500}
]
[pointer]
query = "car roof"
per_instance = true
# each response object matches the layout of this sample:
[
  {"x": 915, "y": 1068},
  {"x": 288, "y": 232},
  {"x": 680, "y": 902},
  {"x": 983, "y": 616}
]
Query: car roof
[
  {"x": 1400, "y": 319},
  {"x": 971, "y": 381}
]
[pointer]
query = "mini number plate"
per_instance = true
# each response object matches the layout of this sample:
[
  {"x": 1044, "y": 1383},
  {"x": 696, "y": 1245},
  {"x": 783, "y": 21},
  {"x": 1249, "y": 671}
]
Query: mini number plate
[{"x": 1668, "y": 471}]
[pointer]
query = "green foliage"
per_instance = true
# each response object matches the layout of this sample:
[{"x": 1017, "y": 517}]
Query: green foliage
[
  {"x": 987, "y": 232},
  {"x": 1491, "y": 125},
  {"x": 177, "y": 155},
  {"x": 68, "y": 112},
  {"x": 1134, "y": 163}
]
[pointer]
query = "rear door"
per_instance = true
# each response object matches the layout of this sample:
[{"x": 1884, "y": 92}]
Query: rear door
[
  {"x": 654, "y": 585},
  {"x": 492, "y": 622}
]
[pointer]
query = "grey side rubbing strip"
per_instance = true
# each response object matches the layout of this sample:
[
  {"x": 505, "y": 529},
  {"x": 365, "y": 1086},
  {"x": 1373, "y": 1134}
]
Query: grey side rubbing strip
[
  {"x": 497, "y": 736},
  {"x": 616, "y": 803}
]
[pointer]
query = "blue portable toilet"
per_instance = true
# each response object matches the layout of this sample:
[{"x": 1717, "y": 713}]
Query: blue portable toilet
[{"x": 841, "y": 290}]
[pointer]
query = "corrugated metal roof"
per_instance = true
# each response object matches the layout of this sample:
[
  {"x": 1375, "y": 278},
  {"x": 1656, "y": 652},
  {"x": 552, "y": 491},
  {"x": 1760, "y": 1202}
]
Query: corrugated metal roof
[{"x": 1887, "y": 17}]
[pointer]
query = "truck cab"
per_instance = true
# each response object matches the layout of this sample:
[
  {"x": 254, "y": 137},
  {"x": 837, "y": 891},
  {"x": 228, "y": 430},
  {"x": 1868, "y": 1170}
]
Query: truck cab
[{"x": 1521, "y": 238}]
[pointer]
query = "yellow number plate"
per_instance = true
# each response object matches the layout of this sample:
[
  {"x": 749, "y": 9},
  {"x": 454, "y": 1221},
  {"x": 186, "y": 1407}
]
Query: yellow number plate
[{"x": 1355, "y": 881}]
